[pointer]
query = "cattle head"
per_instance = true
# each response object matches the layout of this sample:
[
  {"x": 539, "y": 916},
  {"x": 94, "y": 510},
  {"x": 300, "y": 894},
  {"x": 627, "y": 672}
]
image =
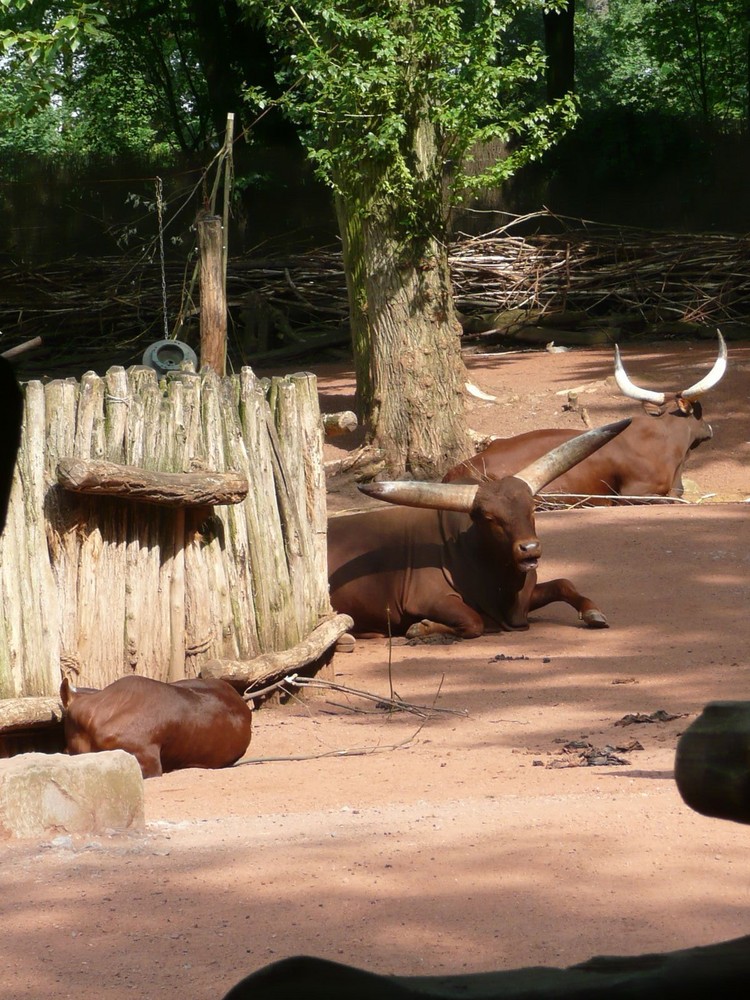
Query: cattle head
[
  {"x": 683, "y": 404},
  {"x": 502, "y": 510}
]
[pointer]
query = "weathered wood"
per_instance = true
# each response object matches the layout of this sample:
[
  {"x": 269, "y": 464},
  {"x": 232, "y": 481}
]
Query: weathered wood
[
  {"x": 23, "y": 713},
  {"x": 343, "y": 422},
  {"x": 212, "y": 294},
  {"x": 268, "y": 667},
  {"x": 172, "y": 489},
  {"x": 109, "y": 587}
]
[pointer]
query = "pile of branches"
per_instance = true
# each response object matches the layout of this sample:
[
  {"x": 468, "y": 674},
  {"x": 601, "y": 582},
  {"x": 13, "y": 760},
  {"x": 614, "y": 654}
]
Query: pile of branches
[
  {"x": 107, "y": 311},
  {"x": 600, "y": 270}
]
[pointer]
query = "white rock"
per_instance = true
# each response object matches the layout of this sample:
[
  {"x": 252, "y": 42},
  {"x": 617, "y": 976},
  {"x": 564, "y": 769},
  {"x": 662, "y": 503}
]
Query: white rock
[{"x": 54, "y": 793}]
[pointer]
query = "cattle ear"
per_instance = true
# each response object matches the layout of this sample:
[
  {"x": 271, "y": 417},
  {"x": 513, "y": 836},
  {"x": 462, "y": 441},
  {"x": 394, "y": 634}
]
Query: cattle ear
[
  {"x": 66, "y": 692},
  {"x": 685, "y": 406}
]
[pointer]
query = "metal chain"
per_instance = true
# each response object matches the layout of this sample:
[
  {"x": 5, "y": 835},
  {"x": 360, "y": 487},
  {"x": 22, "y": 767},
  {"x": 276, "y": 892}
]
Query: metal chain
[{"x": 160, "y": 216}]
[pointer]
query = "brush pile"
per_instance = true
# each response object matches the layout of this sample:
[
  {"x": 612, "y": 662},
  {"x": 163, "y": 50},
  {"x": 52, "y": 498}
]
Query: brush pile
[{"x": 537, "y": 270}]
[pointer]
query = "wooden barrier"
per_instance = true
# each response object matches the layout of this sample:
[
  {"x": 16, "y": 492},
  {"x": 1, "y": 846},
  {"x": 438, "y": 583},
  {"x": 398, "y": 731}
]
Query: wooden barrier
[{"x": 104, "y": 585}]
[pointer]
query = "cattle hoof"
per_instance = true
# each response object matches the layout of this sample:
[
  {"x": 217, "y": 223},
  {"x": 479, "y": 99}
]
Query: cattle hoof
[
  {"x": 419, "y": 630},
  {"x": 594, "y": 619}
]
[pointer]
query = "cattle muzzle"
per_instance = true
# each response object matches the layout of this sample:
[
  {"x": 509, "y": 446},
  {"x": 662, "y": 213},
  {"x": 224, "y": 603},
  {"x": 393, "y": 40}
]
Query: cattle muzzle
[{"x": 527, "y": 554}]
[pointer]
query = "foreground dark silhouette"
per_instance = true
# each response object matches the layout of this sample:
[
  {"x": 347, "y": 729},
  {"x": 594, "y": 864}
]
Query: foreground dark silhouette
[{"x": 711, "y": 971}]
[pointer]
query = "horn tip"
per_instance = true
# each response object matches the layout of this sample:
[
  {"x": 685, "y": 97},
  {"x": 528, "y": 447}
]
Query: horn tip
[
  {"x": 369, "y": 489},
  {"x": 377, "y": 490},
  {"x": 619, "y": 425}
]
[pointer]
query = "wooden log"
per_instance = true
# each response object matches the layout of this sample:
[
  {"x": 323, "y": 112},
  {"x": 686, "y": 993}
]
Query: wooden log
[
  {"x": 170, "y": 489},
  {"x": 25, "y": 713},
  {"x": 268, "y": 667},
  {"x": 343, "y": 422},
  {"x": 27, "y": 345},
  {"x": 267, "y": 562},
  {"x": 213, "y": 295}
]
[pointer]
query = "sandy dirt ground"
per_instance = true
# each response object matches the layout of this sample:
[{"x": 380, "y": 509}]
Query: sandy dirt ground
[{"x": 465, "y": 841}]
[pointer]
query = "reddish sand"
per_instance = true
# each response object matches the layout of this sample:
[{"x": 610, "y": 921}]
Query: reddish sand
[{"x": 458, "y": 843}]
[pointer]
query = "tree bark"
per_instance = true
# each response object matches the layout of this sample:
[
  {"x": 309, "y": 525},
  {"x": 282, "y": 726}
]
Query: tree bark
[{"x": 405, "y": 331}]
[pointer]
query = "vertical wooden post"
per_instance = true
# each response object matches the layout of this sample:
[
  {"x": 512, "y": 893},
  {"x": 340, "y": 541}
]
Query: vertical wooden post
[
  {"x": 177, "y": 600},
  {"x": 213, "y": 295}
]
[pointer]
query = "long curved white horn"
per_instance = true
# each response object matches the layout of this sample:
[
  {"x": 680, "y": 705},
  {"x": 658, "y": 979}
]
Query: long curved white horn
[
  {"x": 565, "y": 456},
  {"x": 714, "y": 376},
  {"x": 439, "y": 496},
  {"x": 628, "y": 388}
]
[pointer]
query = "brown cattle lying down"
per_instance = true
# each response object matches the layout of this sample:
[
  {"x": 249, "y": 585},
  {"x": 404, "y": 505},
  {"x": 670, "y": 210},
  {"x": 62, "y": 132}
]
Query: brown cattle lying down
[
  {"x": 646, "y": 460},
  {"x": 717, "y": 970},
  {"x": 457, "y": 560},
  {"x": 191, "y": 723},
  {"x": 11, "y": 418}
]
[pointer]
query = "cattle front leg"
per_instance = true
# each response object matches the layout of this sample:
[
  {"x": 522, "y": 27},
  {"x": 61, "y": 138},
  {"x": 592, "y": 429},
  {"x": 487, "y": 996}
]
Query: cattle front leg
[
  {"x": 149, "y": 758},
  {"x": 563, "y": 590},
  {"x": 448, "y": 617}
]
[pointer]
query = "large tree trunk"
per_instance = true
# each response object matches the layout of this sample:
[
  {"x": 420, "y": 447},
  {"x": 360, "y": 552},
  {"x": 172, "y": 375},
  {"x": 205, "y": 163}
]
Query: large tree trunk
[
  {"x": 559, "y": 43},
  {"x": 405, "y": 334}
]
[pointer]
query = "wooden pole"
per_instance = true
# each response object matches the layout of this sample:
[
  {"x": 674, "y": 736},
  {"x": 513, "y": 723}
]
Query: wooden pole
[
  {"x": 228, "y": 179},
  {"x": 212, "y": 295}
]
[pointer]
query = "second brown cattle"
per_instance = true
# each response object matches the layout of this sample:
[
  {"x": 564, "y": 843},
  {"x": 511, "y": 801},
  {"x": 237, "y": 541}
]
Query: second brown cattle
[{"x": 645, "y": 460}]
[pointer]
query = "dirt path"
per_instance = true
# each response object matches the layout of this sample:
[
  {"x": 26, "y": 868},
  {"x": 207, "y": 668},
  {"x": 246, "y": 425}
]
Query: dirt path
[{"x": 459, "y": 843}]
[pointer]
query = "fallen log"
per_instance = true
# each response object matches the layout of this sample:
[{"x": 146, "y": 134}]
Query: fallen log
[
  {"x": 343, "y": 422},
  {"x": 170, "y": 489},
  {"x": 28, "y": 713},
  {"x": 269, "y": 667}
]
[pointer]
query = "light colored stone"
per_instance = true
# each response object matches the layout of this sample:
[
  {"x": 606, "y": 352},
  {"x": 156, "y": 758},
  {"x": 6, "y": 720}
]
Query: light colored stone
[{"x": 53, "y": 793}]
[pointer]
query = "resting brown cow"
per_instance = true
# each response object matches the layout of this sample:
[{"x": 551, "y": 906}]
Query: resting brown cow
[
  {"x": 191, "y": 723},
  {"x": 646, "y": 460},
  {"x": 461, "y": 562}
]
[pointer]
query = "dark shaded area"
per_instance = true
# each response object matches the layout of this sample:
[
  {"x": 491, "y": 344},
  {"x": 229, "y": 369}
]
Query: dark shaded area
[
  {"x": 633, "y": 168},
  {"x": 691, "y": 972},
  {"x": 11, "y": 418}
]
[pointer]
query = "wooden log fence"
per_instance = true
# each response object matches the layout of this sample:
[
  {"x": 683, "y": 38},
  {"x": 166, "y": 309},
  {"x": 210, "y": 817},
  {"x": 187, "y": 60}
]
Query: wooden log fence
[{"x": 101, "y": 585}]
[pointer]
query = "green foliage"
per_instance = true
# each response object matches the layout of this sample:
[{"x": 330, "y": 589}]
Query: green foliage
[
  {"x": 687, "y": 57},
  {"x": 389, "y": 95},
  {"x": 92, "y": 80}
]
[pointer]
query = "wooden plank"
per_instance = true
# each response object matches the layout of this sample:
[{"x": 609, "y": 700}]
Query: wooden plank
[{"x": 170, "y": 489}]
